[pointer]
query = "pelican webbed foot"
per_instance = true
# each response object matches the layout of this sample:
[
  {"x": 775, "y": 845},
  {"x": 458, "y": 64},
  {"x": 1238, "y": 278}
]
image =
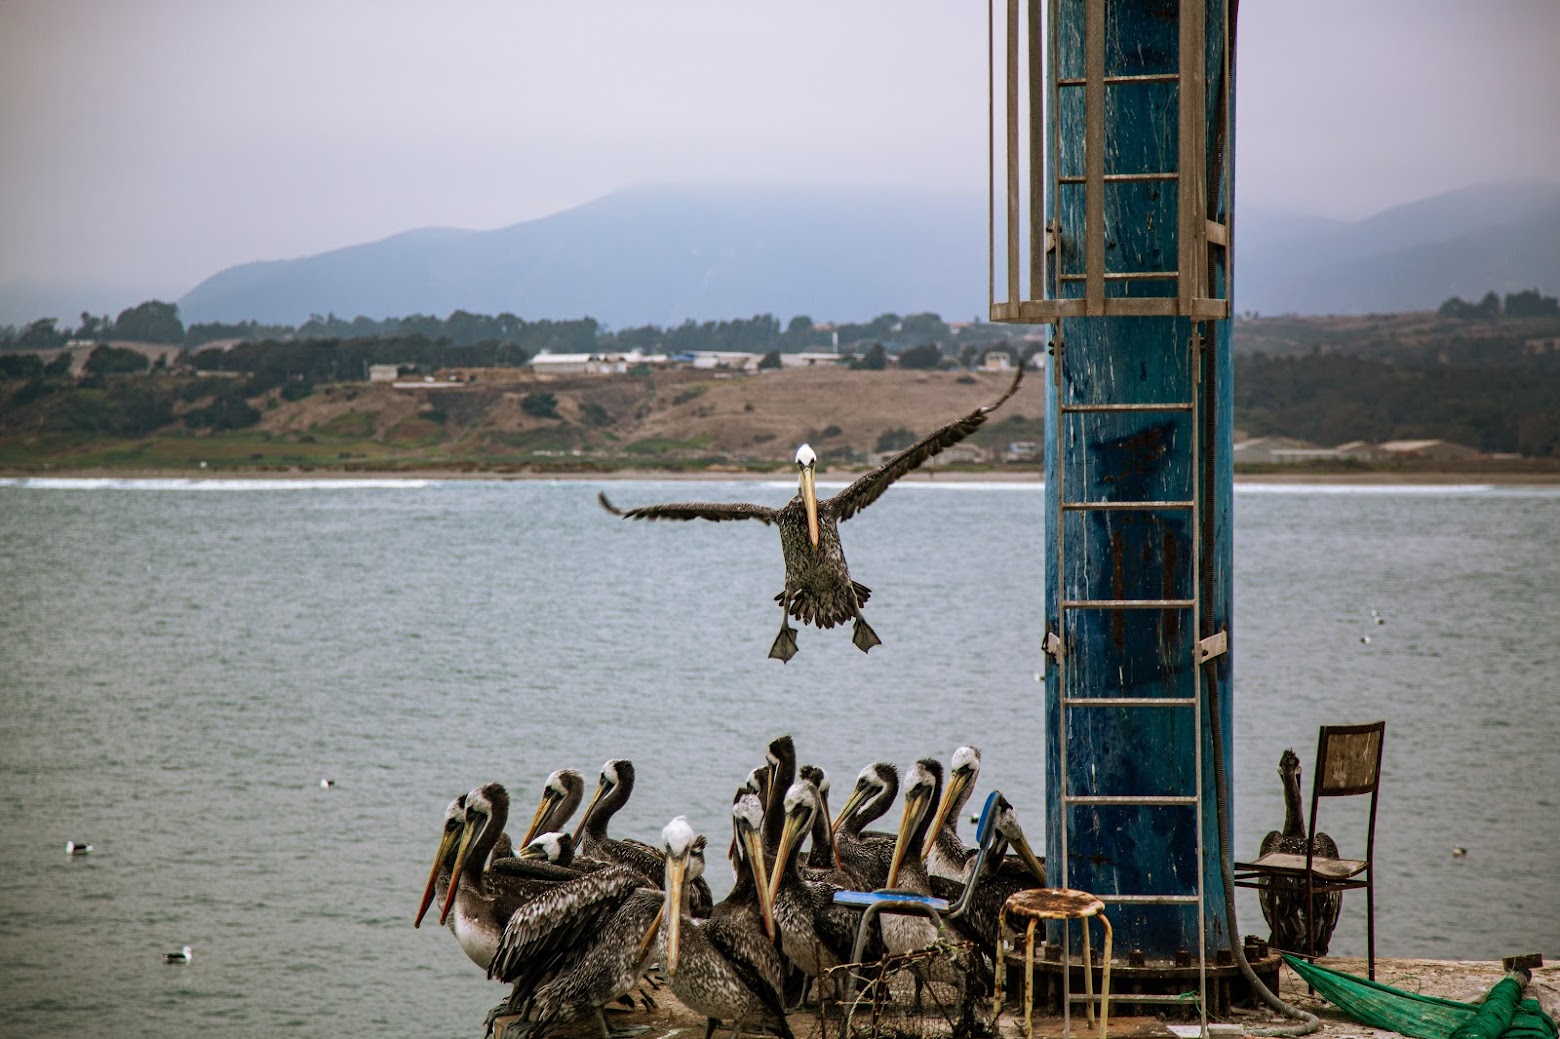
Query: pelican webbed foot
[
  {"x": 863, "y": 635},
  {"x": 784, "y": 647},
  {"x": 626, "y": 1032}
]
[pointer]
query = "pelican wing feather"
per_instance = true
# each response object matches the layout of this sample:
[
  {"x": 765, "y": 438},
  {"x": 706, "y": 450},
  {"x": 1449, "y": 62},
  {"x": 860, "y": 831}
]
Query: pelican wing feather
[
  {"x": 547, "y": 930},
  {"x": 689, "y": 510},
  {"x": 870, "y": 487}
]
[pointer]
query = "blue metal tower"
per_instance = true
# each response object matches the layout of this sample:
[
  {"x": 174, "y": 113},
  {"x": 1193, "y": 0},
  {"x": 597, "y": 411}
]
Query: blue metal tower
[{"x": 1118, "y": 146}]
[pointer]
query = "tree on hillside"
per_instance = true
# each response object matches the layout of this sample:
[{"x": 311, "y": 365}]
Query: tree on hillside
[
  {"x": 874, "y": 360},
  {"x": 115, "y": 360},
  {"x": 1531, "y": 303},
  {"x": 927, "y": 356},
  {"x": 540, "y": 405},
  {"x": 41, "y": 335},
  {"x": 924, "y": 327},
  {"x": 151, "y": 322},
  {"x": 769, "y": 361}
]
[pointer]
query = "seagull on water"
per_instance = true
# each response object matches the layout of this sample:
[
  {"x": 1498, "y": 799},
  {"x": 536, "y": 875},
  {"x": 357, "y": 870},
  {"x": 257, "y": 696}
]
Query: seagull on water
[
  {"x": 327, "y": 783},
  {"x": 77, "y": 848},
  {"x": 182, "y": 956}
]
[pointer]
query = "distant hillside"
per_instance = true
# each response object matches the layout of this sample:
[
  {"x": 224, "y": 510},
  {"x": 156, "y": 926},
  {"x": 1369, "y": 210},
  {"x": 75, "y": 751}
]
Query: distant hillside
[
  {"x": 646, "y": 256},
  {"x": 1500, "y": 237}
]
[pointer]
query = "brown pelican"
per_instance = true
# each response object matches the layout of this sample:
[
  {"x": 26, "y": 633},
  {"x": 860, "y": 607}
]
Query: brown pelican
[
  {"x": 725, "y": 967},
  {"x": 561, "y": 795},
  {"x": 579, "y": 945},
  {"x": 484, "y": 900},
  {"x": 906, "y": 872},
  {"x": 977, "y": 910},
  {"x": 816, "y": 933},
  {"x": 821, "y": 855},
  {"x": 1283, "y": 899},
  {"x": 946, "y": 855},
  {"x": 866, "y": 856},
  {"x": 613, "y": 789},
  {"x": 818, "y": 588},
  {"x": 438, "y": 885},
  {"x": 779, "y": 774}
]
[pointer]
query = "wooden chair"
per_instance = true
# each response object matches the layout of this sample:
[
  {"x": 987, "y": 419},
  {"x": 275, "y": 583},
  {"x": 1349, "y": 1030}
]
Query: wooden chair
[{"x": 1348, "y": 764}]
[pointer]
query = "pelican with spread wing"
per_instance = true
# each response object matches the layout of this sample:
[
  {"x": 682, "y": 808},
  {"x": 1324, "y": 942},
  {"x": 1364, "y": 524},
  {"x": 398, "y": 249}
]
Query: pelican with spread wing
[{"x": 818, "y": 587}]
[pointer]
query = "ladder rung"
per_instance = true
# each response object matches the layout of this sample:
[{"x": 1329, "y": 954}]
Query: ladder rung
[
  {"x": 1120, "y": 178},
  {"x": 1124, "y": 506},
  {"x": 1128, "y": 604},
  {"x": 1080, "y": 408},
  {"x": 1130, "y": 701},
  {"x": 1126, "y": 276},
  {"x": 1150, "y": 77},
  {"x": 1154, "y": 801},
  {"x": 1166, "y": 900}
]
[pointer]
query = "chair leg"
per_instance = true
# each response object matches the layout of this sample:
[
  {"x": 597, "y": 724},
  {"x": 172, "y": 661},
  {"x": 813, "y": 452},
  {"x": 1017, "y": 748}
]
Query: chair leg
[
  {"x": 1001, "y": 970},
  {"x": 1370, "y": 924},
  {"x": 1105, "y": 980},
  {"x": 1029, "y": 980},
  {"x": 1088, "y": 972}
]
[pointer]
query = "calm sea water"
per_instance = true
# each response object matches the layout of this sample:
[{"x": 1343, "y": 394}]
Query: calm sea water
[{"x": 181, "y": 665}]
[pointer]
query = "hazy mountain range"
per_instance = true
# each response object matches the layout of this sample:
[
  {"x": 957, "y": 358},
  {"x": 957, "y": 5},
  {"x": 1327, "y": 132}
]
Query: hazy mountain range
[{"x": 661, "y": 255}]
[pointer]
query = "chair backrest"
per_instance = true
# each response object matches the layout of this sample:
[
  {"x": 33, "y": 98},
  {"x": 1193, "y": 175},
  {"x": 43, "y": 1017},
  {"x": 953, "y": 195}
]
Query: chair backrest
[
  {"x": 1348, "y": 762},
  {"x": 1348, "y": 759}
]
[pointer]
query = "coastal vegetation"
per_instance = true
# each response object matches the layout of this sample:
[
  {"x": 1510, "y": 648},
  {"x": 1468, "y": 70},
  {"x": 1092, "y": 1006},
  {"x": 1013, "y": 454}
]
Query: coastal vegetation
[{"x": 1485, "y": 375}]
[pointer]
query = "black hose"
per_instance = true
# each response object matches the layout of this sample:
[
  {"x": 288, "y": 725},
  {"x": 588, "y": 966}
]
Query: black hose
[{"x": 1309, "y": 1022}]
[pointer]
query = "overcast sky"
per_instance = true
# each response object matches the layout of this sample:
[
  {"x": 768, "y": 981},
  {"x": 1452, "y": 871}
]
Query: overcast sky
[{"x": 152, "y": 143}]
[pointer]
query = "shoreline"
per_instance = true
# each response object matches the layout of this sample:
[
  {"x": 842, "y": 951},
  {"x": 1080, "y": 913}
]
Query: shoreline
[{"x": 1353, "y": 478}]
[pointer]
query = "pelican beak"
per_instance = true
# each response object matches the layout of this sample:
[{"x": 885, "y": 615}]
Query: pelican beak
[
  {"x": 794, "y": 825},
  {"x": 549, "y": 801},
  {"x": 671, "y": 911},
  {"x": 467, "y": 837},
  {"x": 446, "y": 844},
  {"x": 601, "y": 786},
  {"x": 810, "y": 503},
  {"x": 956, "y": 783},
  {"x": 1025, "y": 852},
  {"x": 753, "y": 841},
  {"x": 649, "y": 939},
  {"x": 915, "y": 808},
  {"x": 858, "y": 795},
  {"x": 530, "y": 851}
]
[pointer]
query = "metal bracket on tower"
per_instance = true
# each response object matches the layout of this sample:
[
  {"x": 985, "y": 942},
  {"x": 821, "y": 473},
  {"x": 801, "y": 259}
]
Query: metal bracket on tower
[
  {"x": 1053, "y": 646},
  {"x": 1215, "y": 645}
]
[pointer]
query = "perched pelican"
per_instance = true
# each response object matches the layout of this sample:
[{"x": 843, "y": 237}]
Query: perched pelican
[
  {"x": 579, "y": 945},
  {"x": 438, "y": 885},
  {"x": 999, "y": 879},
  {"x": 818, "y": 588},
  {"x": 613, "y": 788},
  {"x": 725, "y": 967},
  {"x": 184, "y": 955},
  {"x": 561, "y": 795},
  {"x": 906, "y": 871},
  {"x": 779, "y": 774},
  {"x": 821, "y": 854},
  {"x": 77, "y": 848},
  {"x": 483, "y": 901},
  {"x": 816, "y": 933},
  {"x": 946, "y": 855},
  {"x": 1283, "y": 900},
  {"x": 866, "y": 856}
]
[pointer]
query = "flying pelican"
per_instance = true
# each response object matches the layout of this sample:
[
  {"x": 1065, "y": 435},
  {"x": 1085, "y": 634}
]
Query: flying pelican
[
  {"x": 816, "y": 933},
  {"x": 613, "y": 789},
  {"x": 946, "y": 855},
  {"x": 1283, "y": 900},
  {"x": 579, "y": 945},
  {"x": 866, "y": 856},
  {"x": 725, "y": 967},
  {"x": 818, "y": 588}
]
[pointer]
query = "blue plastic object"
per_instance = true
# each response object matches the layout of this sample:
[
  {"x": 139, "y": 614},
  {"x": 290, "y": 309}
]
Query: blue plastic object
[
  {"x": 985, "y": 815},
  {"x": 862, "y": 899}
]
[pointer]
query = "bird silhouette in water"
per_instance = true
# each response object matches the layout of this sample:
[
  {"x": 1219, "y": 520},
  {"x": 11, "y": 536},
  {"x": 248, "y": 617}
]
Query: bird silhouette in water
[
  {"x": 818, "y": 587},
  {"x": 1283, "y": 898}
]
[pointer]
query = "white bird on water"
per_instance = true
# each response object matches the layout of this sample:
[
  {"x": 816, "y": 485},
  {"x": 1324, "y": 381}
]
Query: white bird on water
[
  {"x": 327, "y": 783},
  {"x": 182, "y": 956},
  {"x": 77, "y": 848}
]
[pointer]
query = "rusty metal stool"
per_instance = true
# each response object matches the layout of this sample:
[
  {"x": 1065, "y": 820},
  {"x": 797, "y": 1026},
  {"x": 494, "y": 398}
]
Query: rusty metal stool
[{"x": 1061, "y": 903}]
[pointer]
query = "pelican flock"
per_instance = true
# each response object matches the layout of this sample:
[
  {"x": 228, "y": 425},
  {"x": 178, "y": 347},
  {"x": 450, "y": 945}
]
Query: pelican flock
[
  {"x": 575, "y": 923},
  {"x": 818, "y": 587}
]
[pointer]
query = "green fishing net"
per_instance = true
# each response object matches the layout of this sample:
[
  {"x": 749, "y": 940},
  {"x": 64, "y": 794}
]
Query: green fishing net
[{"x": 1504, "y": 1013}]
